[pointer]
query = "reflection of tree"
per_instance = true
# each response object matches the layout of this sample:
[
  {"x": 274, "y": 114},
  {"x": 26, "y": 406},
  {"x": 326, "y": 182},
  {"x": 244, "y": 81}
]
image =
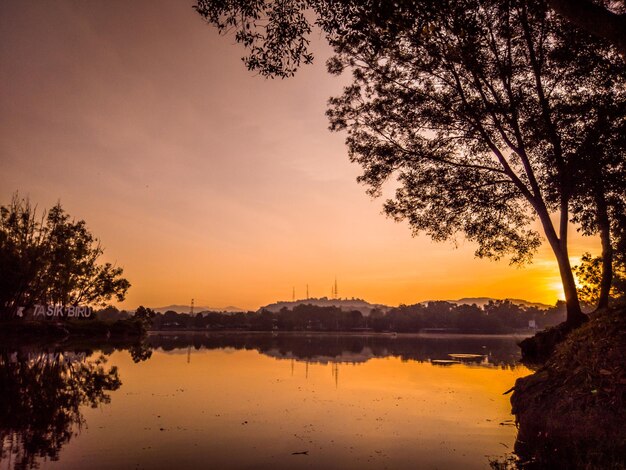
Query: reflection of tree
[
  {"x": 40, "y": 399},
  {"x": 140, "y": 352},
  {"x": 502, "y": 351}
]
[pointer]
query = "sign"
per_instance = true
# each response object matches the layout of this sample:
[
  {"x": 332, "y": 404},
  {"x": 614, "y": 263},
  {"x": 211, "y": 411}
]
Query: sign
[{"x": 58, "y": 311}]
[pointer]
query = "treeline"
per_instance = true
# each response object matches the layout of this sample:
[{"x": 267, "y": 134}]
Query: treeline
[{"x": 495, "y": 317}]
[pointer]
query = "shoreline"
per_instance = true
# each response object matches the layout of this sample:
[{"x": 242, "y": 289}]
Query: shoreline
[{"x": 381, "y": 334}]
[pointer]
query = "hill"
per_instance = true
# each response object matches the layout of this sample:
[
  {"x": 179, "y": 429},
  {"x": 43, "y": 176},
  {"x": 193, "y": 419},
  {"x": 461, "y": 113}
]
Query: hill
[{"x": 344, "y": 304}]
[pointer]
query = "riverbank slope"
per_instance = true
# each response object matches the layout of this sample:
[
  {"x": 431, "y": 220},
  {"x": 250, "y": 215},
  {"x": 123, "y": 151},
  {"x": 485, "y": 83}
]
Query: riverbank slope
[{"x": 571, "y": 411}]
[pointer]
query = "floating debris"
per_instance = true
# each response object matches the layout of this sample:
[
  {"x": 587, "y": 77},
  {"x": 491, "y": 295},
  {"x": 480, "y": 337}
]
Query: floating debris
[
  {"x": 467, "y": 356},
  {"x": 444, "y": 362}
]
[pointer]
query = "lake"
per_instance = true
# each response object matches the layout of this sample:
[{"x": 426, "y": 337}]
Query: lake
[{"x": 245, "y": 400}]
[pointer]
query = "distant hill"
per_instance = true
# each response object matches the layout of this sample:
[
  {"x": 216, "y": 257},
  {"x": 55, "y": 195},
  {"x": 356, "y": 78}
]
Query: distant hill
[
  {"x": 344, "y": 304},
  {"x": 197, "y": 308},
  {"x": 482, "y": 301}
]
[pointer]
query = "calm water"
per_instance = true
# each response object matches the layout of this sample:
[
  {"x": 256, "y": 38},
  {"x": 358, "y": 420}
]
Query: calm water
[{"x": 260, "y": 401}]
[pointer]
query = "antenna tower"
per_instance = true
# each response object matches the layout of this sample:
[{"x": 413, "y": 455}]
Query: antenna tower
[{"x": 191, "y": 312}]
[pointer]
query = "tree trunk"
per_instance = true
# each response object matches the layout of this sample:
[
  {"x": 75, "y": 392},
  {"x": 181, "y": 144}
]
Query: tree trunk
[
  {"x": 575, "y": 316},
  {"x": 607, "y": 250}
]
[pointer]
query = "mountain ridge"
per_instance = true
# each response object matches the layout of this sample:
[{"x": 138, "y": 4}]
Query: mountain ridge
[{"x": 363, "y": 306}]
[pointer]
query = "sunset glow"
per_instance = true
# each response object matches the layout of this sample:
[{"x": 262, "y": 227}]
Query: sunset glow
[
  {"x": 302, "y": 234},
  {"x": 205, "y": 181},
  {"x": 241, "y": 408}
]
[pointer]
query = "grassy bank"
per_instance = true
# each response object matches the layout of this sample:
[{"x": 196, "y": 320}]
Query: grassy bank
[{"x": 571, "y": 411}]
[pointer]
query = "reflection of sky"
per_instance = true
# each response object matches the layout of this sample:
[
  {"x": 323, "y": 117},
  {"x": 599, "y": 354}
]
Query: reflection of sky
[
  {"x": 202, "y": 180},
  {"x": 245, "y": 409}
]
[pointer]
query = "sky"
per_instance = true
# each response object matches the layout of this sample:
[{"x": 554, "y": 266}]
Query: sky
[{"x": 206, "y": 181}]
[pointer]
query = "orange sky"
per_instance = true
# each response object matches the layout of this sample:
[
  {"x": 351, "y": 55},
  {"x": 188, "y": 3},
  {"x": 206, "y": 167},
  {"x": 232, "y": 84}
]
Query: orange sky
[{"x": 203, "y": 180}]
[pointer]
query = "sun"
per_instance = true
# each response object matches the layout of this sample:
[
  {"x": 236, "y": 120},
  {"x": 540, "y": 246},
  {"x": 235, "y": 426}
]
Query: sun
[{"x": 555, "y": 287}]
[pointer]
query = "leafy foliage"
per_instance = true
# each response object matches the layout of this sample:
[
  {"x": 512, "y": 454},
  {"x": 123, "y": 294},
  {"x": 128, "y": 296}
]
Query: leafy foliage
[
  {"x": 275, "y": 32},
  {"x": 589, "y": 274},
  {"x": 474, "y": 107},
  {"x": 604, "y": 18}
]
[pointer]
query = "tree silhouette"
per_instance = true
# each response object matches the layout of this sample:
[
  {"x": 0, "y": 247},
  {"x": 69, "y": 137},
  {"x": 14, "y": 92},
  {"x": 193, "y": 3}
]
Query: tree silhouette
[
  {"x": 51, "y": 259},
  {"x": 485, "y": 112},
  {"x": 590, "y": 273}
]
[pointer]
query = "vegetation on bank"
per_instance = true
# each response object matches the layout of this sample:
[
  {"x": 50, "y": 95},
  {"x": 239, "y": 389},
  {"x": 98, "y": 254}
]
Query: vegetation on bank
[
  {"x": 29, "y": 330},
  {"x": 571, "y": 412},
  {"x": 50, "y": 277},
  {"x": 494, "y": 318},
  {"x": 51, "y": 259}
]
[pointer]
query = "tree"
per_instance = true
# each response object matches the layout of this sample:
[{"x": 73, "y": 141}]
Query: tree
[
  {"x": 604, "y": 19},
  {"x": 475, "y": 107},
  {"x": 22, "y": 253},
  {"x": 52, "y": 259},
  {"x": 145, "y": 313},
  {"x": 590, "y": 274},
  {"x": 111, "y": 314}
]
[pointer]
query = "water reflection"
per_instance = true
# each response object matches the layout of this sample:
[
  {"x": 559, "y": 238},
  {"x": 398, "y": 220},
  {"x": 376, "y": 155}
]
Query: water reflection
[
  {"x": 189, "y": 399},
  {"x": 42, "y": 393},
  {"x": 486, "y": 351}
]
